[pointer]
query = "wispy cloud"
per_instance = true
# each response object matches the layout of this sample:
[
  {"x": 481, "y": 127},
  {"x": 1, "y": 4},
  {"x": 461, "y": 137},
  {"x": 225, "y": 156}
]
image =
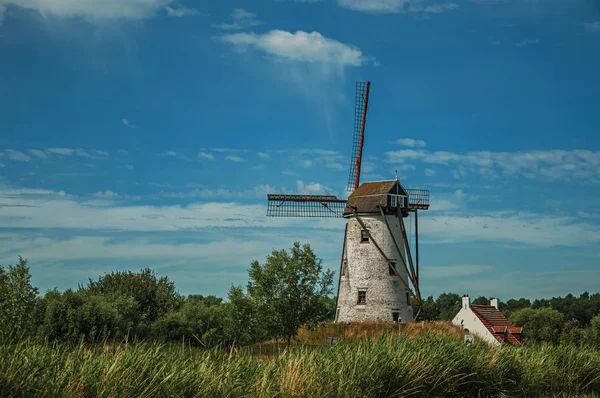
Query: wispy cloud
[
  {"x": 100, "y": 153},
  {"x": 410, "y": 142},
  {"x": 429, "y": 172},
  {"x": 69, "y": 152},
  {"x": 174, "y": 154},
  {"x": 234, "y": 158},
  {"x": 93, "y": 10},
  {"x": 182, "y": 12},
  {"x": 262, "y": 155},
  {"x": 38, "y": 153},
  {"x": 16, "y": 155},
  {"x": 546, "y": 165},
  {"x": 127, "y": 123},
  {"x": 242, "y": 19},
  {"x": 527, "y": 42},
  {"x": 108, "y": 194},
  {"x": 397, "y": 6},
  {"x": 204, "y": 155},
  {"x": 592, "y": 26}
]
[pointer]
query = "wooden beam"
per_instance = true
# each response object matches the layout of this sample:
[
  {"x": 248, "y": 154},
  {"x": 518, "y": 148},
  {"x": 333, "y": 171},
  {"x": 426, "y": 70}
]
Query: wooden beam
[{"x": 412, "y": 280}]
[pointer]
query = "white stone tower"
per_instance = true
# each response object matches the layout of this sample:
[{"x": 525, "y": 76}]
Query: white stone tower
[{"x": 371, "y": 286}]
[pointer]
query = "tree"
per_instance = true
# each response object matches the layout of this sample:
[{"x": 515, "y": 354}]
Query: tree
[
  {"x": 242, "y": 326},
  {"x": 289, "y": 290},
  {"x": 592, "y": 334},
  {"x": 448, "y": 305},
  {"x": 155, "y": 296},
  {"x": 481, "y": 300},
  {"x": 17, "y": 299},
  {"x": 540, "y": 325},
  {"x": 430, "y": 310}
]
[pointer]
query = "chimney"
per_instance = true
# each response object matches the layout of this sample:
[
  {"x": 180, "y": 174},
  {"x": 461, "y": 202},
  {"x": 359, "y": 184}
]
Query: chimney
[
  {"x": 466, "y": 302},
  {"x": 494, "y": 303}
]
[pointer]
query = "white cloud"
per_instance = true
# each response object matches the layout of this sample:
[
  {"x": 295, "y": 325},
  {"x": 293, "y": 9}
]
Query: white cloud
[
  {"x": 182, "y": 12},
  {"x": 262, "y": 155},
  {"x": 528, "y": 42},
  {"x": 396, "y": 6},
  {"x": 459, "y": 173},
  {"x": 61, "y": 151},
  {"x": 174, "y": 154},
  {"x": 123, "y": 152},
  {"x": 429, "y": 172},
  {"x": 98, "y": 10},
  {"x": 101, "y": 153},
  {"x": 234, "y": 158},
  {"x": 440, "y": 8},
  {"x": 300, "y": 47},
  {"x": 289, "y": 173},
  {"x": 410, "y": 142},
  {"x": 242, "y": 19},
  {"x": 107, "y": 195},
  {"x": 592, "y": 26},
  {"x": 34, "y": 208},
  {"x": 547, "y": 165},
  {"x": 2, "y": 165},
  {"x": 313, "y": 188},
  {"x": 16, "y": 155},
  {"x": 204, "y": 155},
  {"x": 128, "y": 123},
  {"x": 459, "y": 194},
  {"x": 129, "y": 167},
  {"x": 38, "y": 153}
]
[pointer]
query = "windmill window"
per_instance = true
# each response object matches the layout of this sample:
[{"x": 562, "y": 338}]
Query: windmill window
[
  {"x": 362, "y": 297},
  {"x": 407, "y": 298},
  {"x": 396, "y": 316},
  {"x": 364, "y": 236},
  {"x": 337, "y": 314},
  {"x": 391, "y": 268},
  {"x": 344, "y": 267}
]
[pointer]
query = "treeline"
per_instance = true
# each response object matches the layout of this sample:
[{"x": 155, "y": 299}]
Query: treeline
[
  {"x": 559, "y": 320},
  {"x": 288, "y": 291}
]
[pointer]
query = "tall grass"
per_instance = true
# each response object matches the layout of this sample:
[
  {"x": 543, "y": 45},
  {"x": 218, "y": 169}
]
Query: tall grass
[{"x": 399, "y": 366}]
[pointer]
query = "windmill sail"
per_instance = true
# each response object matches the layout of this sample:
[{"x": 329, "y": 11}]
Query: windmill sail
[
  {"x": 360, "y": 121},
  {"x": 304, "y": 206}
]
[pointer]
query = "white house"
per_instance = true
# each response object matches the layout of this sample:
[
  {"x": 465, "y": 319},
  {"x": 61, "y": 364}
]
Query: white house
[{"x": 487, "y": 322}]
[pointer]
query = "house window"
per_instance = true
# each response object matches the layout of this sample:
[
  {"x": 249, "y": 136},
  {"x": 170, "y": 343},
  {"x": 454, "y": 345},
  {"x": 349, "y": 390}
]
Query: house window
[
  {"x": 392, "y": 267},
  {"x": 396, "y": 316},
  {"x": 407, "y": 298},
  {"x": 393, "y": 201},
  {"x": 364, "y": 236},
  {"x": 344, "y": 267},
  {"x": 362, "y": 297}
]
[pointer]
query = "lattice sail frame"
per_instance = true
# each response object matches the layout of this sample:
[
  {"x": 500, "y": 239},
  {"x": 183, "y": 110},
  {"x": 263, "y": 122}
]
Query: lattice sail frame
[
  {"x": 361, "y": 105},
  {"x": 305, "y": 206},
  {"x": 326, "y": 206}
]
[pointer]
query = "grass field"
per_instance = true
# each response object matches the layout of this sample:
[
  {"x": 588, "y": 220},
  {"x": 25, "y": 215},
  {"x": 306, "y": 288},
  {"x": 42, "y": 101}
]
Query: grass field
[{"x": 390, "y": 365}]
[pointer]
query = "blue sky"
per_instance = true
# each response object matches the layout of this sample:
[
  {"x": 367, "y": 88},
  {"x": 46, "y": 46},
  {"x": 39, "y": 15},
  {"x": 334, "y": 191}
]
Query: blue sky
[{"x": 141, "y": 133}]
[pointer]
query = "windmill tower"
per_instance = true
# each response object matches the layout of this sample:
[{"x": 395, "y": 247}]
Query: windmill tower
[{"x": 378, "y": 279}]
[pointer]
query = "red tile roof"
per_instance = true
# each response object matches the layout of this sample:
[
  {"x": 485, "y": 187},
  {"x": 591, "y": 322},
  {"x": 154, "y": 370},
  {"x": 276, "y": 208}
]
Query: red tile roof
[{"x": 497, "y": 324}]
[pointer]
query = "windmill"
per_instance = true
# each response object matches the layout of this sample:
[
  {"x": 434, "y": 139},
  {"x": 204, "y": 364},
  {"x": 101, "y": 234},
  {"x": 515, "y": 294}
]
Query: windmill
[{"x": 377, "y": 269}]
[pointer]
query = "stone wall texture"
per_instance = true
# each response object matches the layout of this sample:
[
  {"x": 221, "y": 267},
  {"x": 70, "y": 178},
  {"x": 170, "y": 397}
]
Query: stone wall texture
[{"x": 367, "y": 270}]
